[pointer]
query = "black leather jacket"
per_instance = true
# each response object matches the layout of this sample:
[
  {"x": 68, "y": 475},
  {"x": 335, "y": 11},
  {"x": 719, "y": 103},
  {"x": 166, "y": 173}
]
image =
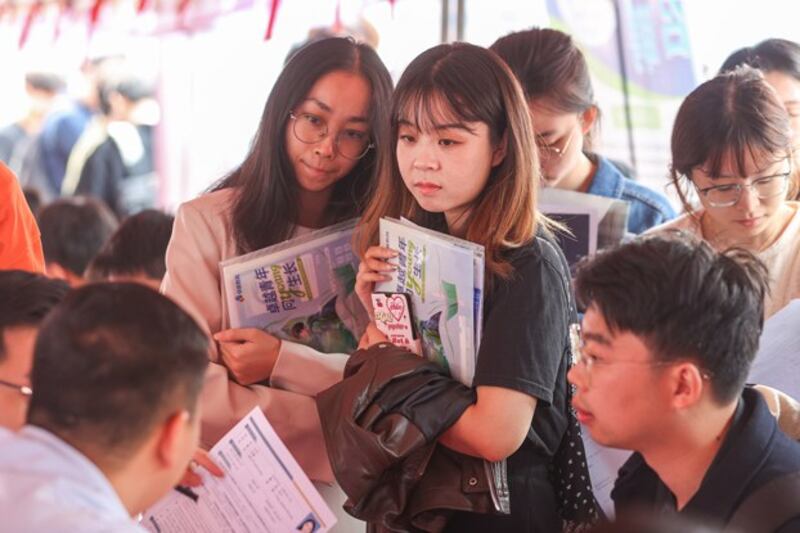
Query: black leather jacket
[{"x": 380, "y": 425}]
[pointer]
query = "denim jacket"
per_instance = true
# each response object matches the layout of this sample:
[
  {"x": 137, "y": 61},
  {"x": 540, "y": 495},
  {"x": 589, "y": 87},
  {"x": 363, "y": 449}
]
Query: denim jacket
[{"x": 648, "y": 208}]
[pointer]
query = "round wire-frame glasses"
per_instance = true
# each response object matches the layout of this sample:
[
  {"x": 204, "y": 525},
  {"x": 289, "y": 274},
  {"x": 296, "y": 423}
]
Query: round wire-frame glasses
[
  {"x": 310, "y": 129},
  {"x": 766, "y": 187},
  {"x": 549, "y": 150}
]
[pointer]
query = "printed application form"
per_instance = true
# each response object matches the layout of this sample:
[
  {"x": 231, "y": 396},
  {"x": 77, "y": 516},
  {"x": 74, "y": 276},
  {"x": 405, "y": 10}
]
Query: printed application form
[
  {"x": 778, "y": 358},
  {"x": 264, "y": 490}
]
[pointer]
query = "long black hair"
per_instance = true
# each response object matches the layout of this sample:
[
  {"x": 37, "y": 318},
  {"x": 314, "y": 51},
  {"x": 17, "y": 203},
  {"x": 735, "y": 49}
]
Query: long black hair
[{"x": 264, "y": 206}]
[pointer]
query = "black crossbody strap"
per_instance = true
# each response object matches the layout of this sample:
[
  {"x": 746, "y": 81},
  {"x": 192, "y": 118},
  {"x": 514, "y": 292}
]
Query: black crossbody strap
[{"x": 769, "y": 507}]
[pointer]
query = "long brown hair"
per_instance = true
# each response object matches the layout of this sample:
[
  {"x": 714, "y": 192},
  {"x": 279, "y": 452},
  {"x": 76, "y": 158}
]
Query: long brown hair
[
  {"x": 264, "y": 207},
  {"x": 736, "y": 113},
  {"x": 469, "y": 84}
]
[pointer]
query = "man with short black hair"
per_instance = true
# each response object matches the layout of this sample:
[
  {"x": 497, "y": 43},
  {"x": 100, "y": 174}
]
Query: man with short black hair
[
  {"x": 25, "y": 299},
  {"x": 136, "y": 251},
  {"x": 114, "y": 416},
  {"x": 670, "y": 330},
  {"x": 73, "y": 231}
]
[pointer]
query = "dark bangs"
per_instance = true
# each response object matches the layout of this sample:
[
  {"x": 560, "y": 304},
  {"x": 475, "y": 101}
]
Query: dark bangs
[
  {"x": 441, "y": 87},
  {"x": 732, "y": 118}
]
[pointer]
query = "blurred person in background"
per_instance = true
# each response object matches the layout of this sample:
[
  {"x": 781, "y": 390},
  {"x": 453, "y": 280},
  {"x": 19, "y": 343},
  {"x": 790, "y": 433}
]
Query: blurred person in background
[
  {"x": 136, "y": 251},
  {"x": 113, "y": 160},
  {"x": 63, "y": 128},
  {"x": 779, "y": 60},
  {"x": 73, "y": 231},
  {"x": 42, "y": 89}
]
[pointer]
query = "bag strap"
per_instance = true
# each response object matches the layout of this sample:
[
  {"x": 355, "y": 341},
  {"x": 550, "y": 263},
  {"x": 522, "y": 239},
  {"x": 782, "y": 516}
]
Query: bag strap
[{"x": 769, "y": 507}]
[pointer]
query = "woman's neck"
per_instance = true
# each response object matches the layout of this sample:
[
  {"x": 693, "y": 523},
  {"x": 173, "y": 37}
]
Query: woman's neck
[
  {"x": 580, "y": 177},
  {"x": 312, "y": 208},
  {"x": 457, "y": 220}
]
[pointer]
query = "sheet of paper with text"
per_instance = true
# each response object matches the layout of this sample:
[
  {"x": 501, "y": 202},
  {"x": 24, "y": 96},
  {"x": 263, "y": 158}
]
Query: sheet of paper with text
[{"x": 264, "y": 490}]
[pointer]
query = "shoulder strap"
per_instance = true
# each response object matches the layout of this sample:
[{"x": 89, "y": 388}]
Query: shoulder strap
[{"x": 769, "y": 507}]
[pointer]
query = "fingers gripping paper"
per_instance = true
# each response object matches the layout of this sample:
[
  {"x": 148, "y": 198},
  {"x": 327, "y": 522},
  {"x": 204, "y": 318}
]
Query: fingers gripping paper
[{"x": 264, "y": 489}]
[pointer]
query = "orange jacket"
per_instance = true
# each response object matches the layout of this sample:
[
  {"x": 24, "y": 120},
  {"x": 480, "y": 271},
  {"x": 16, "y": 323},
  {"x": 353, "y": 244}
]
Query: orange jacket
[{"x": 20, "y": 242}]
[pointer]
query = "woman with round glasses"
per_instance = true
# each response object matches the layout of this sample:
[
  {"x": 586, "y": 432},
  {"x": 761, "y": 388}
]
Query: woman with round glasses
[
  {"x": 310, "y": 166},
  {"x": 731, "y": 148},
  {"x": 555, "y": 77}
]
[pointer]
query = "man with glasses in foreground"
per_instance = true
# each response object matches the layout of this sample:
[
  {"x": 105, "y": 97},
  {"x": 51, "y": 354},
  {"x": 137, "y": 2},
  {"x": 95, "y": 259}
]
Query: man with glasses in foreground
[
  {"x": 25, "y": 299},
  {"x": 670, "y": 330}
]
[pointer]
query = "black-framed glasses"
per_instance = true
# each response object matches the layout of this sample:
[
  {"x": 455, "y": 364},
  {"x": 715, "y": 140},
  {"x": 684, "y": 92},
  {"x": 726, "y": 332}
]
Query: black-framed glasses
[
  {"x": 309, "y": 128},
  {"x": 22, "y": 389},
  {"x": 546, "y": 151},
  {"x": 765, "y": 187}
]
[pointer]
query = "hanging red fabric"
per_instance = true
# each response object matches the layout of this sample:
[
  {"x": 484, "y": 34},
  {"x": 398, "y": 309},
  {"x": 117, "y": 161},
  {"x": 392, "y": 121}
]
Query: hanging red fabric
[
  {"x": 94, "y": 14},
  {"x": 337, "y": 20},
  {"x": 273, "y": 13},
  {"x": 33, "y": 12},
  {"x": 57, "y": 25},
  {"x": 183, "y": 5}
]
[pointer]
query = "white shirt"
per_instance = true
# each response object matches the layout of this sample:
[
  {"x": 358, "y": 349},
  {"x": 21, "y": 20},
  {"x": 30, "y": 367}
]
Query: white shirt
[{"x": 46, "y": 485}]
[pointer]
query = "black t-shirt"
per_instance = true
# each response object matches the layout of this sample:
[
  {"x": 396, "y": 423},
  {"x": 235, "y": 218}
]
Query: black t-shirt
[{"x": 525, "y": 347}]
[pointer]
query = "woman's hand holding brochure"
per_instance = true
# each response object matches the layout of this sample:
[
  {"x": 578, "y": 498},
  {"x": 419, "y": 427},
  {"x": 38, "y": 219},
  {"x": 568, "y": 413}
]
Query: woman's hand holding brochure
[
  {"x": 371, "y": 270},
  {"x": 249, "y": 353}
]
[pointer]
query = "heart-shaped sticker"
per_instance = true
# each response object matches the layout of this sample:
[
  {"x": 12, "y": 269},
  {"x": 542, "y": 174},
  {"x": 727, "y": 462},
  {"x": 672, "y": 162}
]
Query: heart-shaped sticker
[{"x": 397, "y": 306}]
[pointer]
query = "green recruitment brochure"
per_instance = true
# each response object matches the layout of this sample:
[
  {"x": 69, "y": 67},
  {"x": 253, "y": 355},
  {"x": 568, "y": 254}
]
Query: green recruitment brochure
[
  {"x": 301, "y": 290},
  {"x": 444, "y": 278}
]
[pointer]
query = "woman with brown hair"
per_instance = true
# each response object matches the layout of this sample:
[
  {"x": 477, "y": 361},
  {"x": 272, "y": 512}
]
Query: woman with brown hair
[
  {"x": 732, "y": 146},
  {"x": 461, "y": 138},
  {"x": 558, "y": 89}
]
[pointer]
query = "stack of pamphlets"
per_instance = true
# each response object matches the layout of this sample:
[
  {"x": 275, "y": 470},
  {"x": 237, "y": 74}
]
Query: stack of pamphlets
[
  {"x": 301, "y": 290},
  {"x": 595, "y": 222},
  {"x": 444, "y": 278}
]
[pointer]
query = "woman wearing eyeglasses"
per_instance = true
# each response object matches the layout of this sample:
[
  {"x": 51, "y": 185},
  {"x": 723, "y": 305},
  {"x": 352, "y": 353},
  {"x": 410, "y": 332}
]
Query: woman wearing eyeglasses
[
  {"x": 731, "y": 148},
  {"x": 554, "y": 75},
  {"x": 310, "y": 166}
]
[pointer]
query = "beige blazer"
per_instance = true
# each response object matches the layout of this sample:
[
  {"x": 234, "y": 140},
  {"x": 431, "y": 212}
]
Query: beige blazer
[{"x": 200, "y": 240}]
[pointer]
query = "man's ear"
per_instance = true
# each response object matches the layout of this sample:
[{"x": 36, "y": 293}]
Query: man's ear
[
  {"x": 500, "y": 151},
  {"x": 588, "y": 118},
  {"x": 687, "y": 385},
  {"x": 169, "y": 439}
]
